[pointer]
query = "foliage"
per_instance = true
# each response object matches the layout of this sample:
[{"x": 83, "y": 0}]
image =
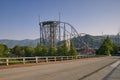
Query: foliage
[
  {"x": 38, "y": 50},
  {"x": 106, "y": 48},
  {"x": 14, "y": 61},
  {"x": 44, "y": 50},
  {"x": 52, "y": 51},
  {"x": 18, "y": 51},
  {"x": 115, "y": 49},
  {"x": 29, "y": 51},
  {"x": 119, "y": 49},
  {"x": 72, "y": 51},
  {"x": 60, "y": 51},
  {"x": 65, "y": 49},
  {"x": 4, "y": 50}
]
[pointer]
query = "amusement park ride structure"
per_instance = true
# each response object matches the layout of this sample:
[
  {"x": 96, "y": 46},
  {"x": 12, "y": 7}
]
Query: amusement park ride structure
[{"x": 54, "y": 33}]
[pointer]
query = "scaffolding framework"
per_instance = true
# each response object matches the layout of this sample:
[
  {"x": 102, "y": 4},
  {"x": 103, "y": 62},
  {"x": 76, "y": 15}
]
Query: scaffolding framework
[{"x": 53, "y": 33}]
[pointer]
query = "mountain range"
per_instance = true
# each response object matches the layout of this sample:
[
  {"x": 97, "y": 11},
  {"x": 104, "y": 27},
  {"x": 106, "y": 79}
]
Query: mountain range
[
  {"x": 26, "y": 42},
  {"x": 91, "y": 41}
]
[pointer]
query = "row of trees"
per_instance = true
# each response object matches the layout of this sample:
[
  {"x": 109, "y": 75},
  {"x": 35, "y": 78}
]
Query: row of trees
[
  {"x": 27, "y": 51},
  {"x": 108, "y": 47}
]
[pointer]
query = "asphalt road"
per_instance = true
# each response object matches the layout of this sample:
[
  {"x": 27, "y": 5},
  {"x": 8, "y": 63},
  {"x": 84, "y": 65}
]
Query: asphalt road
[
  {"x": 115, "y": 73},
  {"x": 110, "y": 72},
  {"x": 75, "y": 70}
]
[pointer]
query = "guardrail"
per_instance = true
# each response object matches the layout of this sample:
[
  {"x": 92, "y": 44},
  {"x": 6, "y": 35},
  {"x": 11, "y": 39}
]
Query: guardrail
[{"x": 26, "y": 60}]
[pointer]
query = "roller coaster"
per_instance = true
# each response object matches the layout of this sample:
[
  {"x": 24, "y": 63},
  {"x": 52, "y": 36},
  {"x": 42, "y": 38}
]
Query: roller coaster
[{"x": 56, "y": 32}]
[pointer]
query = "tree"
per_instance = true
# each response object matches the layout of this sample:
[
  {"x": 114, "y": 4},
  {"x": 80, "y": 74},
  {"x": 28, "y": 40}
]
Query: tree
[
  {"x": 106, "y": 48},
  {"x": 29, "y": 51},
  {"x": 65, "y": 49},
  {"x": 52, "y": 51},
  {"x": 115, "y": 49},
  {"x": 119, "y": 49},
  {"x": 60, "y": 51},
  {"x": 17, "y": 51},
  {"x": 22, "y": 52},
  {"x": 72, "y": 51},
  {"x": 44, "y": 50},
  {"x": 38, "y": 50},
  {"x": 4, "y": 50}
]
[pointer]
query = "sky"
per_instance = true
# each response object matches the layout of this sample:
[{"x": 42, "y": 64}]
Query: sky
[{"x": 19, "y": 19}]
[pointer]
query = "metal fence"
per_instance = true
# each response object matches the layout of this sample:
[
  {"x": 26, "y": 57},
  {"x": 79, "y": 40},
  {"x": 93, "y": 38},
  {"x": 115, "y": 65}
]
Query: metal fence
[{"x": 26, "y": 60}]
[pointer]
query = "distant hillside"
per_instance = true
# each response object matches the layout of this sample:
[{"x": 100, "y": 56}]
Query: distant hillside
[
  {"x": 96, "y": 41},
  {"x": 26, "y": 42},
  {"x": 92, "y": 41}
]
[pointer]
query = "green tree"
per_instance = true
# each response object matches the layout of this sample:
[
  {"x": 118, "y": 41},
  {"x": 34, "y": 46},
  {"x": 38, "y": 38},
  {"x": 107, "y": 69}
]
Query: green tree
[
  {"x": 17, "y": 51},
  {"x": 60, "y": 51},
  {"x": 29, "y": 51},
  {"x": 52, "y": 51},
  {"x": 44, "y": 50},
  {"x": 115, "y": 49},
  {"x": 106, "y": 48},
  {"x": 38, "y": 50},
  {"x": 119, "y": 49},
  {"x": 4, "y": 50},
  {"x": 65, "y": 49},
  {"x": 72, "y": 51},
  {"x": 22, "y": 52}
]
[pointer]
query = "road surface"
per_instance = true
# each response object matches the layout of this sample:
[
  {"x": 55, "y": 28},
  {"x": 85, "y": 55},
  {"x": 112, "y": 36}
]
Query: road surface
[{"x": 83, "y": 69}]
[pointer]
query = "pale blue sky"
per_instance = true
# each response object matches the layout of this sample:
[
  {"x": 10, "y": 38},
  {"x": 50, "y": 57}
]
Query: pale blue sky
[{"x": 19, "y": 18}]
